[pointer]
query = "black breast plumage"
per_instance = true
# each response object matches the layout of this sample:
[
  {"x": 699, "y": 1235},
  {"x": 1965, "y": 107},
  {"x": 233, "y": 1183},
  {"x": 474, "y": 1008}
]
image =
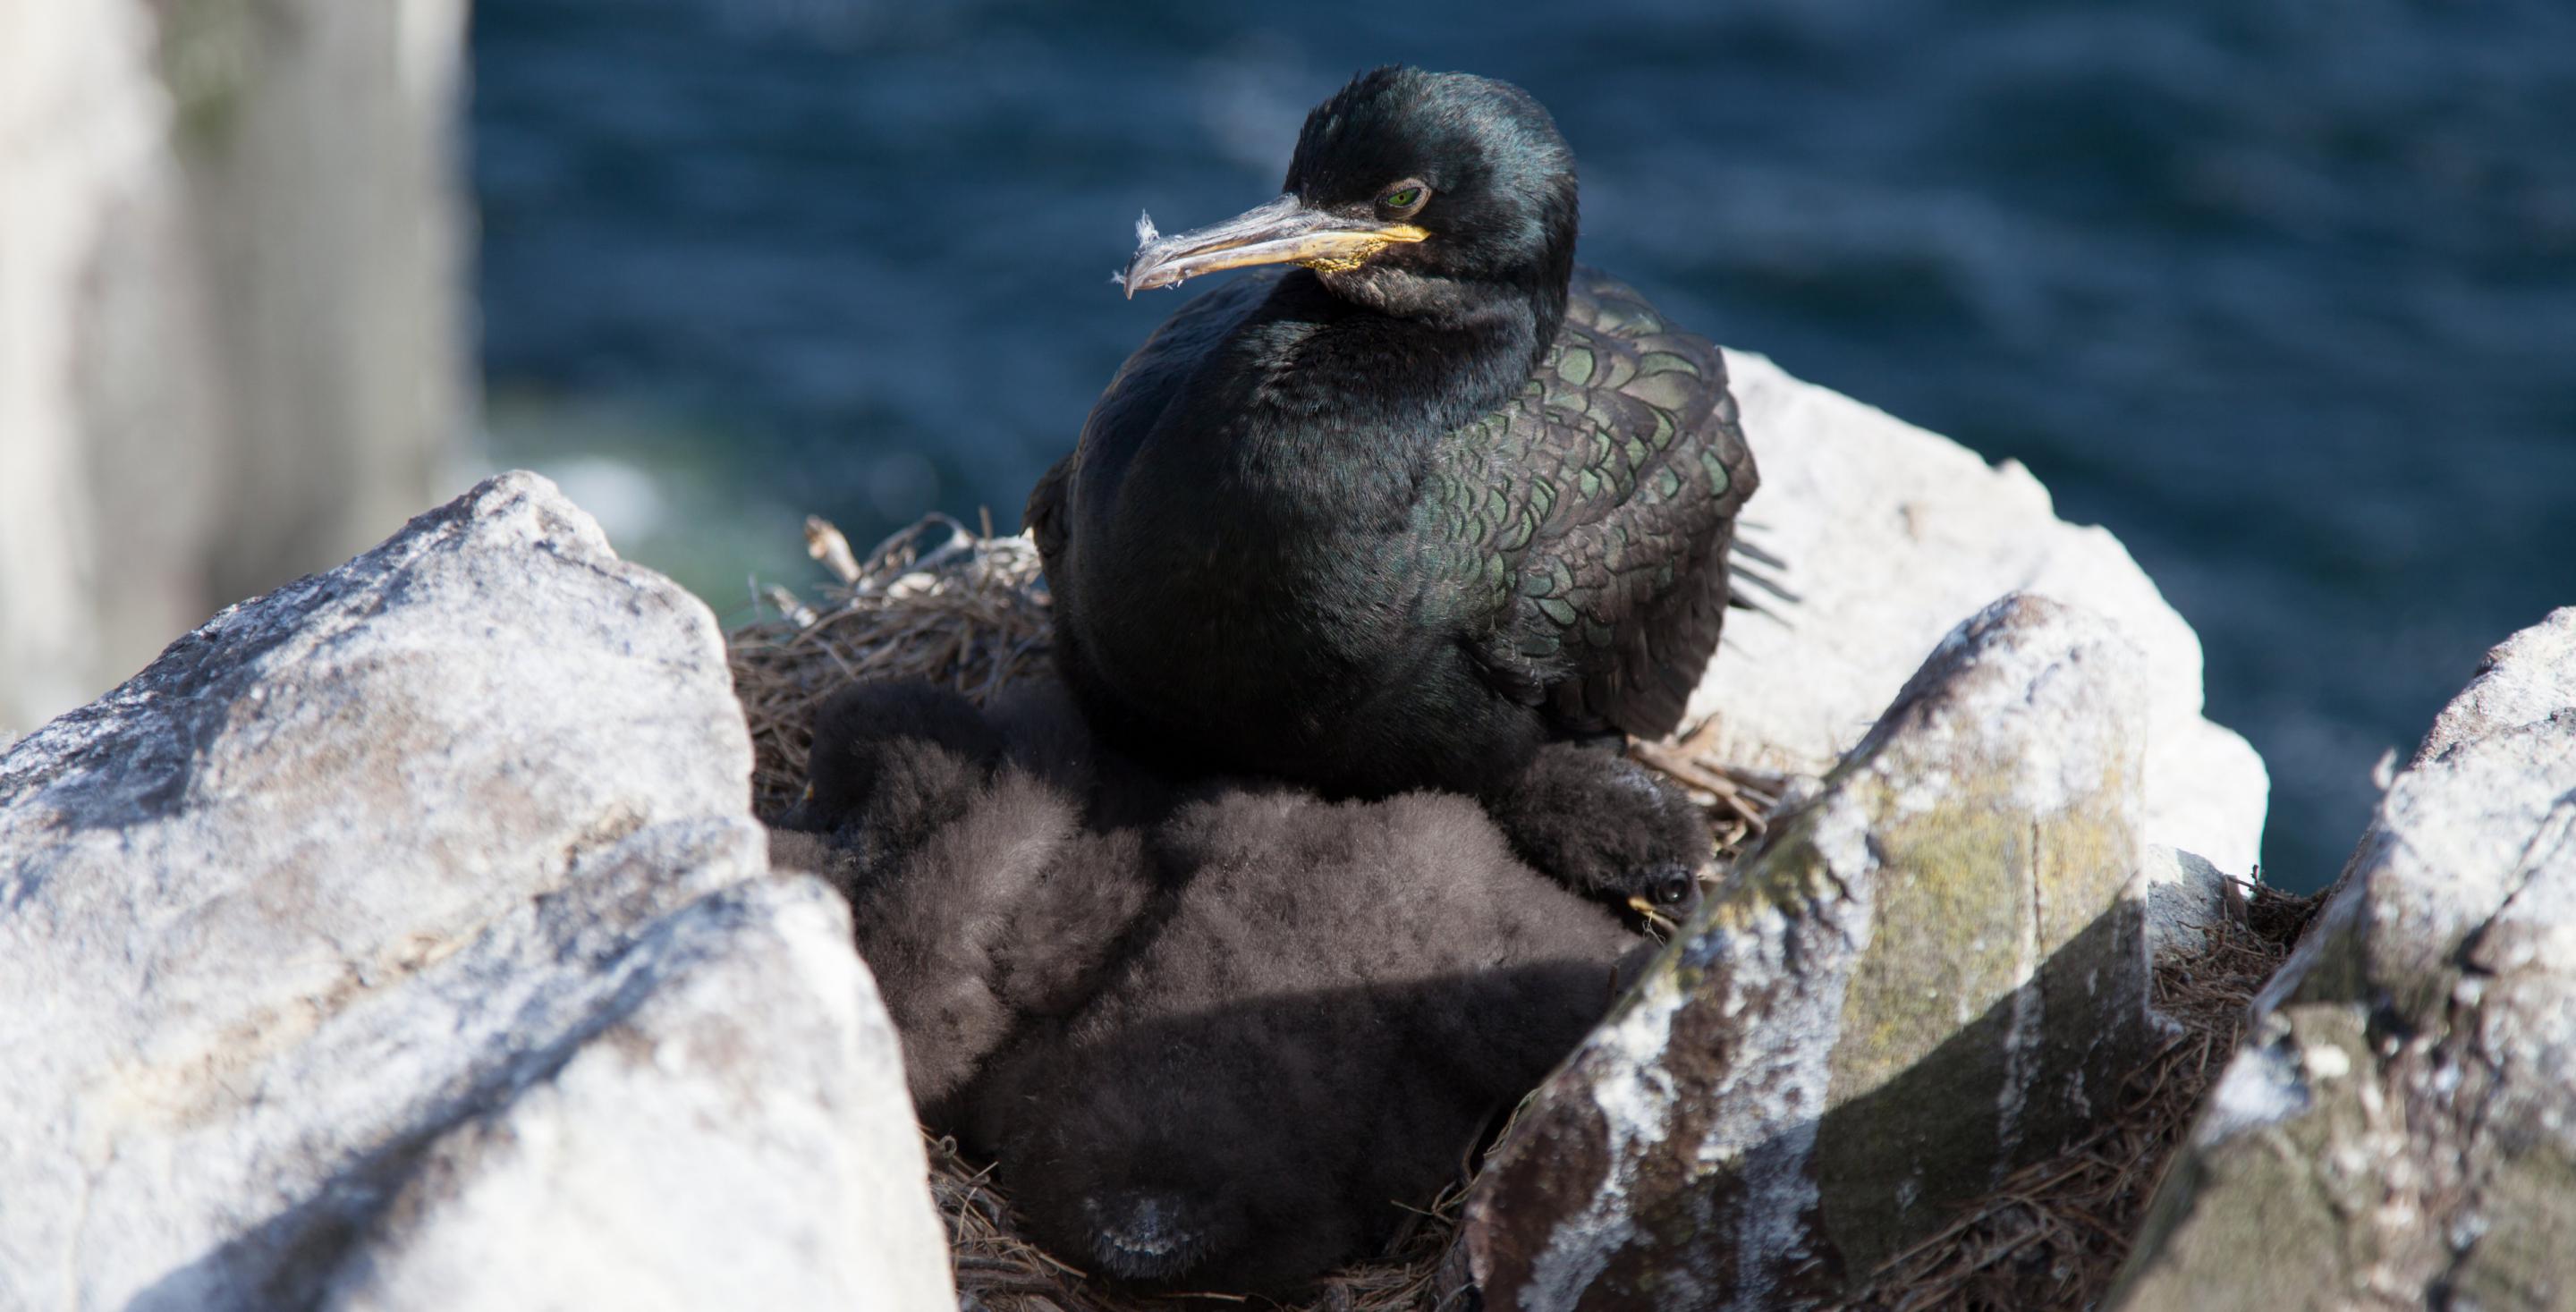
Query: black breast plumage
[{"x": 1557, "y": 568}]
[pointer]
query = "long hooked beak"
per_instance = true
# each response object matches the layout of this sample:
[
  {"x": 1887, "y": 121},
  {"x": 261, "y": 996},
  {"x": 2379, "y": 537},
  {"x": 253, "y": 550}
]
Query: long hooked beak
[{"x": 1284, "y": 231}]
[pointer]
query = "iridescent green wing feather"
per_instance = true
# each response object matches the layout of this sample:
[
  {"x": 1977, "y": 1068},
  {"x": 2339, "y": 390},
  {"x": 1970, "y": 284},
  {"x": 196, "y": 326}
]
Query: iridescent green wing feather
[{"x": 1584, "y": 526}]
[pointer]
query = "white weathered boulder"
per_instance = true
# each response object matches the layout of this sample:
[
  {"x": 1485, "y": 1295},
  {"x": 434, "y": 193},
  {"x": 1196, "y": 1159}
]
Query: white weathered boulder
[
  {"x": 1893, "y": 535},
  {"x": 1932, "y": 973},
  {"x": 2399, "y": 1127},
  {"x": 402, "y": 939}
]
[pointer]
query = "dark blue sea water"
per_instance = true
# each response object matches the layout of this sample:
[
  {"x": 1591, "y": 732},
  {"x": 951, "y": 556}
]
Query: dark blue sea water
[{"x": 2282, "y": 291}]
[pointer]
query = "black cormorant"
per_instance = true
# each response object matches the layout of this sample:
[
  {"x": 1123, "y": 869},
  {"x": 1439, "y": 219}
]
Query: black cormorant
[{"x": 1405, "y": 512}]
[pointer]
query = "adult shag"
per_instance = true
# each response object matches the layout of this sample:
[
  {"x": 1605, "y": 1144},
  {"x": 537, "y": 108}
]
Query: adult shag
[{"x": 1414, "y": 507}]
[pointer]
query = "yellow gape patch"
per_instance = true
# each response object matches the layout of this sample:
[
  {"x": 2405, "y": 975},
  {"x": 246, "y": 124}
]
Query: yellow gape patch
[{"x": 1353, "y": 250}]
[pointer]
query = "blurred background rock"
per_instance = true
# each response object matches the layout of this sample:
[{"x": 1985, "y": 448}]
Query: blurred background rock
[
  {"x": 230, "y": 290},
  {"x": 2280, "y": 291}
]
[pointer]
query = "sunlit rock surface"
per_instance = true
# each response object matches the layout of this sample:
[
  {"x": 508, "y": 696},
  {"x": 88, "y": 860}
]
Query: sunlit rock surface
[
  {"x": 402, "y": 939},
  {"x": 1933, "y": 972},
  {"x": 1892, "y": 536},
  {"x": 2399, "y": 1129}
]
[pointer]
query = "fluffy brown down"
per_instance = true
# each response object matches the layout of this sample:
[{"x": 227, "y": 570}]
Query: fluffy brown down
[{"x": 1212, "y": 1036}]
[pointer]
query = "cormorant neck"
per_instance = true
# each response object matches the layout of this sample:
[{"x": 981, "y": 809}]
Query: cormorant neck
[
  {"x": 1527, "y": 309},
  {"x": 1380, "y": 382}
]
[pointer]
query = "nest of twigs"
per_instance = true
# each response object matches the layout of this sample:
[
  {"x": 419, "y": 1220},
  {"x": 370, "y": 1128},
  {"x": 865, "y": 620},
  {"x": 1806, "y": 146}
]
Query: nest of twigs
[
  {"x": 941, "y": 603},
  {"x": 936, "y": 602}
]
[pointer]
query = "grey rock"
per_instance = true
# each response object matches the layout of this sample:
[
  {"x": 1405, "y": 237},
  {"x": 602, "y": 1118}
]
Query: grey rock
[
  {"x": 2524, "y": 680},
  {"x": 403, "y": 938},
  {"x": 1893, "y": 536},
  {"x": 1930, "y": 975},
  {"x": 2188, "y": 901},
  {"x": 679, "y": 1119},
  {"x": 2399, "y": 1127}
]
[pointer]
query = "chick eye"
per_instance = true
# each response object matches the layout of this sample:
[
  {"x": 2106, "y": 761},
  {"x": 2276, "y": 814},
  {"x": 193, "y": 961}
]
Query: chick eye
[{"x": 1405, "y": 198}]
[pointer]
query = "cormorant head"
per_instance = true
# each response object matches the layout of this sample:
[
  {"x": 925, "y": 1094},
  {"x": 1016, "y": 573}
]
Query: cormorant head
[{"x": 1416, "y": 194}]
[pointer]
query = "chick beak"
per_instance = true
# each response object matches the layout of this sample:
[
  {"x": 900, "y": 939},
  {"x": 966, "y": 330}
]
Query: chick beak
[
  {"x": 1653, "y": 916},
  {"x": 1284, "y": 231}
]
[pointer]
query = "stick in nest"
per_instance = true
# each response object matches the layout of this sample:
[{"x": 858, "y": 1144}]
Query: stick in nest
[{"x": 934, "y": 602}]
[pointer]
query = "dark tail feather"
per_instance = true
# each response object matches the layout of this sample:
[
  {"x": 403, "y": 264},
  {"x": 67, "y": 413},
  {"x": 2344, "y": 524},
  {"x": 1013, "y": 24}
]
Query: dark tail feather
[
  {"x": 1745, "y": 547},
  {"x": 1750, "y": 569}
]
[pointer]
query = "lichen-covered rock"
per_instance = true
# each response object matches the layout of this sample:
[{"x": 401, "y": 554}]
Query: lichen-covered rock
[
  {"x": 2399, "y": 1128},
  {"x": 402, "y": 939},
  {"x": 1932, "y": 973},
  {"x": 1893, "y": 535}
]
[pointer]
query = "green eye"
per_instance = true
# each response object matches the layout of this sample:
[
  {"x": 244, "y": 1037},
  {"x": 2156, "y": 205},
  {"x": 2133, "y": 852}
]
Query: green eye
[{"x": 1402, "y": 198}]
